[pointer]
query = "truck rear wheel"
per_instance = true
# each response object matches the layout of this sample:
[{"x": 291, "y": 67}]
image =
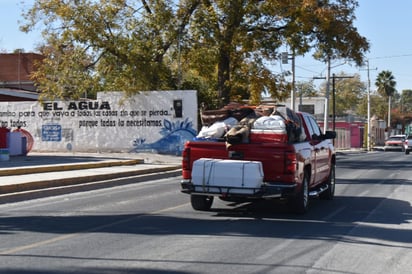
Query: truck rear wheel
[
  {"x": 300, "y": 202},
  {"x": 201, "y": 202},
  {"x": 330, "y": 192}
]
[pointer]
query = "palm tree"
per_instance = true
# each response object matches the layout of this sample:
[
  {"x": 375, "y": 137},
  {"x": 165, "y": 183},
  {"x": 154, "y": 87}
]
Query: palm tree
[{"x": 385, "y": 82}]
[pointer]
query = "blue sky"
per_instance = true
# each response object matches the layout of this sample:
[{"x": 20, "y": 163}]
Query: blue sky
[
  {"x": 386, "y": 24},
  {"x": 11, "y": 37}
]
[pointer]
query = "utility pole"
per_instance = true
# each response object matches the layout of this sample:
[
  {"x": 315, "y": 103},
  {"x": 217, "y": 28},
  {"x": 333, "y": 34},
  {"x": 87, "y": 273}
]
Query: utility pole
[
  {"x": 334, "y": 77},
  {"x": 368, "y": 138},
  {"x": 334, "y": 97},
  {"x": 326, "y": 116},
  {"x": 368, "y": 135},
  {"x": 285, "y": 57}
]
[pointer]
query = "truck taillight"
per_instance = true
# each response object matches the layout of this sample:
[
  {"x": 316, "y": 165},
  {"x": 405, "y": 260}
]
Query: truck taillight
[
  {"x": 186, "y": 159},
  {"x": 290, "y": 163}
]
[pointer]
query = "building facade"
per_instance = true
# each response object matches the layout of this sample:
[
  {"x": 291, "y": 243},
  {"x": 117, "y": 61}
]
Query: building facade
[{"x": 15, "y": 72}]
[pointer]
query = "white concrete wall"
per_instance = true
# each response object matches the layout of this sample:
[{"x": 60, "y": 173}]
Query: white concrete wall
[
  {"x": 317, "y": 102},
  {"x": 112, "y": 123}
]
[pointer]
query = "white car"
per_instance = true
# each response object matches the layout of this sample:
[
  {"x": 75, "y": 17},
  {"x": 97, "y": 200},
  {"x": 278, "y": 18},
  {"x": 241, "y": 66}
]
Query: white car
[
  {"x": 395, "y": 142},
  {"x": 408, "y": 144}
]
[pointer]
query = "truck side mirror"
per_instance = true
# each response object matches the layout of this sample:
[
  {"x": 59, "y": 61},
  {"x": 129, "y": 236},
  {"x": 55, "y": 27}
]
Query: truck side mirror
[
  {"x": 330, "y": 135},
  {"x": 327, "y": 135},
  {"x": 316, "y": 137}
]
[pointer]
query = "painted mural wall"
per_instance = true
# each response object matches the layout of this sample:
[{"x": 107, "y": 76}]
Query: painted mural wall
[{"x": 155, "y": 121}]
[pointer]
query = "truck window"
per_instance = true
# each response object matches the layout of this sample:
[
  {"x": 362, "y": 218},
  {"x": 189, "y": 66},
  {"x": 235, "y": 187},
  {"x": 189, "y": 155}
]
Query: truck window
[
  {"x": 312, "y": 125},
  {"x": 316, "y": 128}
]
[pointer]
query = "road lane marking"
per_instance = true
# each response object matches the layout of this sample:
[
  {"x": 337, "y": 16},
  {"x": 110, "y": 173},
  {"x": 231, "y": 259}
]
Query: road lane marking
[
  {"x": 37, "y": 244},
  {"x": 94, "y": 229}
]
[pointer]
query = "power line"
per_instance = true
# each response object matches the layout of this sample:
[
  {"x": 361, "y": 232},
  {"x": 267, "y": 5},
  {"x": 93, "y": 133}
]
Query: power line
[
  {"x": 392, "y": 56},
  {"x": 305, "y": 69}
]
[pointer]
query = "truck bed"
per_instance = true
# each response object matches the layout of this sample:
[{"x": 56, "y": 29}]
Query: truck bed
[{"x": 273, "y": 157}]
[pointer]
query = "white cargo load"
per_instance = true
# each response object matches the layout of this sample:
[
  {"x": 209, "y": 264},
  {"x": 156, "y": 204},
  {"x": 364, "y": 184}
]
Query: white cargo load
[
  {"x": 274, "y": 123},
  {"x": 227, "y": 176}
]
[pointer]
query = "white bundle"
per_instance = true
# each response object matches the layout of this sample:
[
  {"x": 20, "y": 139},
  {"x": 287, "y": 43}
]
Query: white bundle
[
  {"x": 274, "y": 122},
  {"x": 217, "y": 129}
]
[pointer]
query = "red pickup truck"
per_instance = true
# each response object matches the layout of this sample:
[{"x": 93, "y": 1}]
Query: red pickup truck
[{"x": 267, "y": 166}]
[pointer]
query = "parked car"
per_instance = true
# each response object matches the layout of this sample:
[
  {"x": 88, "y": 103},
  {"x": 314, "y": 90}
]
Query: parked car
[
  {"x": 395, "y": 142},
  {"x": 408, "y": 144}
]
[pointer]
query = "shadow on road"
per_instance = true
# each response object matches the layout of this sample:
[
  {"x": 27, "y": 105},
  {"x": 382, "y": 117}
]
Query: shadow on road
[{"x": 265, "y": 219}]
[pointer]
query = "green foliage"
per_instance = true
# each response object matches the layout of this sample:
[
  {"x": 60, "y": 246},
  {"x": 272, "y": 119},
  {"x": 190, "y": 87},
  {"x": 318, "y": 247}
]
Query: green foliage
[
  {"x": 406, "y": 100},
  {"x": 306, "y": 89},
  {"x": 349, "y": 92},
  {"x": 66, "y": 74},
  {"x": 337, "y": 37},
  {"x": 219, "y": 47},
  {"x": 385, "y": 82}
]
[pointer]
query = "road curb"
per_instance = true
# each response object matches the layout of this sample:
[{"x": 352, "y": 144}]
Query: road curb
[
  {"x": 13, "y": 188},
  {"x": 142, "y": 176},
  {"x": 67, "y": 167}
]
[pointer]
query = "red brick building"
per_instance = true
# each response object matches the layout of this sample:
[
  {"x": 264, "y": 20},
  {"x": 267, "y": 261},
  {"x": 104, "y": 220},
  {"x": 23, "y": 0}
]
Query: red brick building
[{"x": 15, "y": 82}]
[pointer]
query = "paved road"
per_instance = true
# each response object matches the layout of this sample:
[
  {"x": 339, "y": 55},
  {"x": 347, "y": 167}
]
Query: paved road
[{"x": 149, "y": 227}]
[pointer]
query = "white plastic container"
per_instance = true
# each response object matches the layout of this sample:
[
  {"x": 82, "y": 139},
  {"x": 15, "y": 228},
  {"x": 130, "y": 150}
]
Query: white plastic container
[{"x": 235, "y": 176}]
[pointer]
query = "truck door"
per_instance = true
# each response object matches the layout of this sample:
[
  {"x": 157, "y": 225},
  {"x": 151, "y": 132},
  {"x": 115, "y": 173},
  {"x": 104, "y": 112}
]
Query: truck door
[{"x": 321, "y": 151}]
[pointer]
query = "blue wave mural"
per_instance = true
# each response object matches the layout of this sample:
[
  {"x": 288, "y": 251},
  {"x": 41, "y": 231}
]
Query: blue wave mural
[{"x": 175, "y": 135}]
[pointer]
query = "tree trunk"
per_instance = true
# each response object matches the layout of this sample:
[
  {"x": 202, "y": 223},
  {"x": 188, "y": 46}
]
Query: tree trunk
[{"x": 223, "y": 76}]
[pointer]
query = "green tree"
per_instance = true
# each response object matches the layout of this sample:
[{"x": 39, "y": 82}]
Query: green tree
[
  {"x": 135, "y": 45},
  {"x": 406, "y": 101},
  {"x": 106, "y": 45},
  {"x": 245, "y": 34},
  {"x": 349, "y": 93},
  {"x": 377, "y": 105},
  {"x": 306, "y": 89},
  {"x": 385, "y": 82}
]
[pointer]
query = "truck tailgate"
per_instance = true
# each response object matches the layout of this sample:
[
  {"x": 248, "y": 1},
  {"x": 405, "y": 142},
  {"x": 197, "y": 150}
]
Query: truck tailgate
[{"x": 273, "y": 156}]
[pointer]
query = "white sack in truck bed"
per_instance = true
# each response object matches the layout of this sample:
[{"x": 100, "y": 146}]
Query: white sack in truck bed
[
  {"x": 273, "y": 123},
  {"x": 235, "y": 176},
  {"x": 282, "y": 125}
]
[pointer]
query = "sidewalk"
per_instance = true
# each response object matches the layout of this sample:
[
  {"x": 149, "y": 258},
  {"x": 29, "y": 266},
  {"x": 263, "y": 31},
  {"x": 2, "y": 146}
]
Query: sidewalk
[{"x": 36, "y": 172}]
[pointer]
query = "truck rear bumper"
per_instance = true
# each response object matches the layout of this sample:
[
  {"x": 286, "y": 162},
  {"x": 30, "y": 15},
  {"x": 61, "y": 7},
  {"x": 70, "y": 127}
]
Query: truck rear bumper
[{"x": 266, "y": 190}]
